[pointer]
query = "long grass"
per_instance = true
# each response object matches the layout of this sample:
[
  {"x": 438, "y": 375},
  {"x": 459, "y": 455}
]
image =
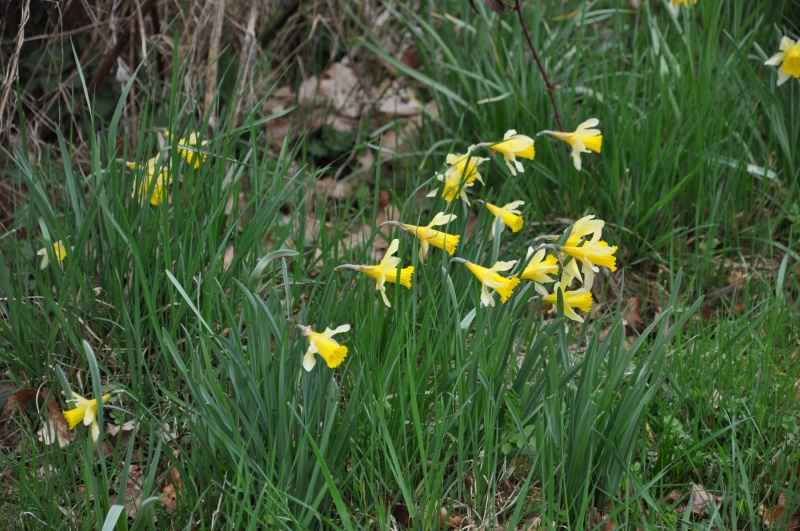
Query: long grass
[{"x": 443, "y": 414}]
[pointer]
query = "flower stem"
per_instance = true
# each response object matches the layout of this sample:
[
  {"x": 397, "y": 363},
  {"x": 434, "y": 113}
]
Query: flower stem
[{"x": 549, "y": 84}]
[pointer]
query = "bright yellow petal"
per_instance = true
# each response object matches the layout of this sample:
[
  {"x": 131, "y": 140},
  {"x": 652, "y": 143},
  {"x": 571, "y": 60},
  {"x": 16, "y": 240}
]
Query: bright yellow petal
[{"x": 75, "y": 416}]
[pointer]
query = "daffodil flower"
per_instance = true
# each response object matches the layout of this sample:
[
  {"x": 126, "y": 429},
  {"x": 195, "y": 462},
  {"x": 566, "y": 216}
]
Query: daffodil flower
[
  {"x": 490, "y": 279},
  {"x": 675, "y": 5},
  {"x": 788, "y": 59},
  {"x": 580, "y": 298},
  {"x": 506, "y": 215},
  {"x": 539, "y": 269},
  {"x": 59, "y": 252},
  {"x": 590, "y": 254},
  {"x": 85, "y": 411},
  {"x": 462, "y": 174},
  {"x": 332, "y": 352},
  {"x": 513, "y": 146},
  {"x": 428, "y": 236},
  {"x": 386, "y": 271},
  {"x": 159, "y": 188},
  {"x": 187, "y": 148},
  {"x": 583, "y": 140}
]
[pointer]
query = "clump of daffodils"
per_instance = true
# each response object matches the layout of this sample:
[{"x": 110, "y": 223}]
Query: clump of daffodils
[
  {"x": 787, "y": 60},
  {"x": 580, "y": 298},
  {"x": 386, "y": 271},
  {"x": 322, "y": 343},
  {"x": 84, "y": 411},
  {"x": 589, "y": 253},
  {"x": 151, "y": 187}
]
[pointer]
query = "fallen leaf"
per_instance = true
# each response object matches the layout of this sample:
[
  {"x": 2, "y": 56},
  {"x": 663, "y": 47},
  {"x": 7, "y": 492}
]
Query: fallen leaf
[
  {"x": 172, "y": 487},
  {"x": 55, "y": 427},
  {"x": 673, "y": 496},
  {"x": 227, "y": 258},
  {"x": 701, "y": 499},
  {"x": 133, "y": 492},
  {"x": 633, "y": 322}
]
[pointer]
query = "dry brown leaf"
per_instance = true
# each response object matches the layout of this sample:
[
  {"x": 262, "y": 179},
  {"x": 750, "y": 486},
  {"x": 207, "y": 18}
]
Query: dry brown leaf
[
  {"x": 673, "y": 496},
  {"x": 227, "y": 258},
  {"x": 337, "y": 88},
  {"x": 55, "y": 427},
  {"x": 701, "y": 499},
  {"x": 133, "y": 492},
  {"x": 173, "y": 486},
  {"x": 633, "y": 322}
]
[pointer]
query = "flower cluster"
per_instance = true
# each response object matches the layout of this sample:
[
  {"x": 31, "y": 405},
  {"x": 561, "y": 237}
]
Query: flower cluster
[{"x": 578, "y": 254}]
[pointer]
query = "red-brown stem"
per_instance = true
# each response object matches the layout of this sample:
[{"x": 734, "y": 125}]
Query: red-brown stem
[{"x": 549, "y": 84}]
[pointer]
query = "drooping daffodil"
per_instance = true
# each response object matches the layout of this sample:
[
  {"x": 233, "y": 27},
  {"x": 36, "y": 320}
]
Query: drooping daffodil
[
  {"x": 513, "y": 146},
  {"x": 580, "y": 298},
  {"x": 788, "y": 60},
  {"x": 386, "y": 271},
  {"x": 84, "y": 411},
  {"x": 59, "y": 251},
  {"x": 539, "y": 269},
  {"x": 460, "y": 175},
  {"x": 490, "y": 279},
  {"x": 428, "y": 236},
  {"x": 188, "y": 148},
  {"x": 590, "y": 254},
  {"x": 321, "y": 343},
  {"x": 583, "y": 140},
  {"x": 506, "y": 215},
  {"x": 145, "y": 182}
]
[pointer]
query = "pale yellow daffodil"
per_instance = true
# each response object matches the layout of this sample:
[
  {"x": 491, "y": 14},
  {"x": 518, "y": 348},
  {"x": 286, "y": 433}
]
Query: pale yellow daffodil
[
  {"x": 59, "y": 252},
  {"x": 590, "y": 254},
  {"x": 579, "y": 298},
  {"x": 506, "y": 215},
  {"x": 675, "y": 5},
  {"x": 386, "y": 271},
  {"x": 539, "y": 269},
  {"x": 188, "y": 149},
  {"x": 462, "y": 174},
  {"x": 490, "y": 279},
  {"x": 583, "y": 140},
  {"x": 513, "y": 146},
  {"x": 332, "y": 352},
  {"x": 428, "y": 236},
  {"x": 146, "y": 184},
  {"x": 788, "y": 59},
  {"x": 85, "y": 411}
]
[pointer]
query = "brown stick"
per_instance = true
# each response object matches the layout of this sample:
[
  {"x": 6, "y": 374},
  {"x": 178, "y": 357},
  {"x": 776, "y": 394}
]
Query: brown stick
[
  {"x": 549, "y": 84},
  {"x": 213, "y": 52},
  {"x": 13, "y": 65}
]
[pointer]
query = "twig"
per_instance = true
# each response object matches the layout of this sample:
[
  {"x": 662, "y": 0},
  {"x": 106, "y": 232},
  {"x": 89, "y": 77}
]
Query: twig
[
  {"x": 213, "y": 63},
  {"x": 549, "y": 84},
  {"x": 13, "y": 65}
]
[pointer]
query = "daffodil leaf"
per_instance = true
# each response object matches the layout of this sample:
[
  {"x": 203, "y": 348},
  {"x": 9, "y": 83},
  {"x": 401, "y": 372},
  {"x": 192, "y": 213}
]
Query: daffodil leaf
[{"x": 265, "y": 261}]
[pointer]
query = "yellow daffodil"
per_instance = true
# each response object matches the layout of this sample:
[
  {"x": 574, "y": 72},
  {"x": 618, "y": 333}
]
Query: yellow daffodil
[
  {"x": 788, "y": 59},
  {"x": 539, "y": 269},
  {"x": 675, "y": 5},
  {"x": 590, "y": 254},
  {"x": 59, "y": 252},
  {"x": 386, "y": 271},
  {"x": 188, "y": 149},
  {"x": 580, "y": 298},
  {"x": 462, "y": 174},
  {"x": 513, "y": 146},
  {"x": 506, "y": 215},
  {"x": 428, "y": 236},
  {"x": 145, "y": 182},
  {"x": 583, "y": 140},
  {"x": 332, "y": 352},
  {"x": 85, "y": 411},
  {"x": 490, "y": 279}
]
